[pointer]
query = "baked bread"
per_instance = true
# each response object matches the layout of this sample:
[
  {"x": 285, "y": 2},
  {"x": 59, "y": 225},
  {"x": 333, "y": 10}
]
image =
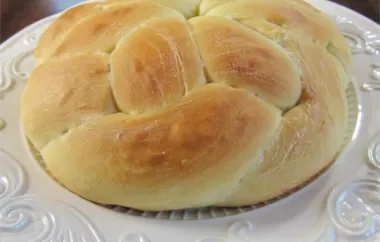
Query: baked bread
[{"x": 160, "y": 105}]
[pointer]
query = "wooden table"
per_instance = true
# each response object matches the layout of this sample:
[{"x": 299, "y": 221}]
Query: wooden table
[{"x": 17, "y": 14}]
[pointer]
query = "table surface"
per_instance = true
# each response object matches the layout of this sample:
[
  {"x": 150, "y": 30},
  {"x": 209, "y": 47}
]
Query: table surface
[{"x": 17, "y": 14}]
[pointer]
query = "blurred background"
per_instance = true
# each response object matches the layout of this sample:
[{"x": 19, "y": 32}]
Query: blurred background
[{"x": 17, "y": 14}]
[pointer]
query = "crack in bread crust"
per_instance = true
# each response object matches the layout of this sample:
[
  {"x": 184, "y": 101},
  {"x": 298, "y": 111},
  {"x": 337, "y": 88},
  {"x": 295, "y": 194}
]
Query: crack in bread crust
[{"x": 145, "y": 104}]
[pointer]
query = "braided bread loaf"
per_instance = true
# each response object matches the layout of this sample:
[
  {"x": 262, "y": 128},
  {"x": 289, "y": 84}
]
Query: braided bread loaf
[{"x": 173, "y": 104}]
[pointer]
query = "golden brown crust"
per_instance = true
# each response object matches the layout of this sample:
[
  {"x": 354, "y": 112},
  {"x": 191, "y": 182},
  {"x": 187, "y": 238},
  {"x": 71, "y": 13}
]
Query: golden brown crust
[
  {"x": 64, "y": 93},
  {"x": 134, "y": 105},
  {"x": 55, "y": 32},
  {"x": 155, "y": 156},
  {"x": 222, "y": 42},
  {"x": 187, "y": 7},
  {"x": 101, "y": 32},
  {"x": 289, "y": 17},
  {"x": 155, "y": 64},
  {"x": 300, "y": 149}
]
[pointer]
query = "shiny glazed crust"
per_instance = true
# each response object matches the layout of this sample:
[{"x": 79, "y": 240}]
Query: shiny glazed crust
[{"x": 160, "y": 105}]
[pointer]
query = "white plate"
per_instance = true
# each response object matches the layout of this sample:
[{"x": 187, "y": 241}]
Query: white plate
[{"x": 341, "y": 205}]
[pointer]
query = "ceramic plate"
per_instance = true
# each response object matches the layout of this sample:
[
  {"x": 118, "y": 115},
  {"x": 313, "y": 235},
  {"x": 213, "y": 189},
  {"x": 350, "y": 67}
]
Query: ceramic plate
[{"x": 342, "y": 204}]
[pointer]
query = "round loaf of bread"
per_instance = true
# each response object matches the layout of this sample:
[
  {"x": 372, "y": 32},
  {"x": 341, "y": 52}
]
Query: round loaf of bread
[{"x": 172, "y": 104}]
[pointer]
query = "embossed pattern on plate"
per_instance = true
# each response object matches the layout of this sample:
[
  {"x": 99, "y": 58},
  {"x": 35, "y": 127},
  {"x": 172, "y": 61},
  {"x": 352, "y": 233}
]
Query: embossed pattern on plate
[{"x": 50, "y": 220}]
